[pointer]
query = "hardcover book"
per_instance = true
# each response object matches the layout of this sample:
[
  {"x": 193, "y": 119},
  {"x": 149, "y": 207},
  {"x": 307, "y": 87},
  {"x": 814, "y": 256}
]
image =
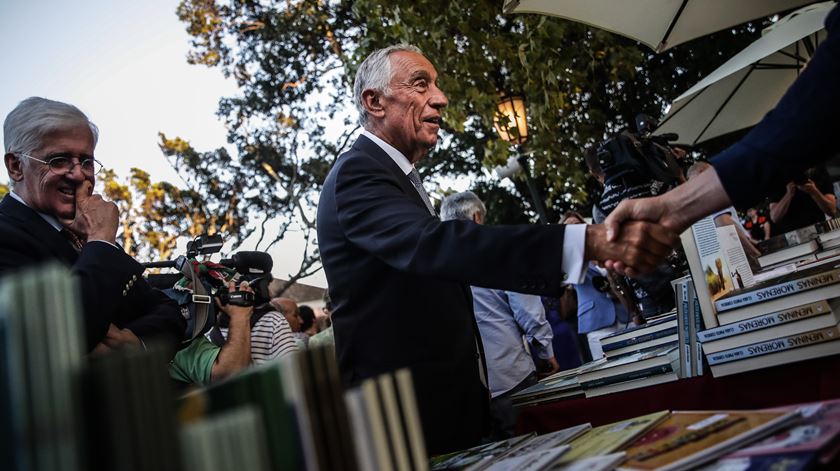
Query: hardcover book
[
  {"x": 812, "y": 316},
  {"x": 686, "y": 440},
  {"x": 784, "y": 286},
  {"x": 827, "y": 334},
  {"x": 611, "y": 437},
  {"x": 789, "y": 253},
  {"x": 783, "y": 357}
]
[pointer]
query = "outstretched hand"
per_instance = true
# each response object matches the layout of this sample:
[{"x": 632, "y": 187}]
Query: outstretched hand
[{"x": 96, "y": 219}]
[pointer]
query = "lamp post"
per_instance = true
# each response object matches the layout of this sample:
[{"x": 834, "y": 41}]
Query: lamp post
[{"x": 512, "y": 125}]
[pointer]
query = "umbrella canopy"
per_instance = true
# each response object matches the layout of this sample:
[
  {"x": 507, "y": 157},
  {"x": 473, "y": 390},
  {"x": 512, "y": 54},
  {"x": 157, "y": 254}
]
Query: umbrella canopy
[
  {"x": 741, "y": 91},
  {"x": 660, "y": 24}
]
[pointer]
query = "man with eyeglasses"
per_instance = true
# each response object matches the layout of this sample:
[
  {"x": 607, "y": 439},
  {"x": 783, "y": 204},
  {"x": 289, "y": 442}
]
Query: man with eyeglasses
[{"x": 51, "y": 214}]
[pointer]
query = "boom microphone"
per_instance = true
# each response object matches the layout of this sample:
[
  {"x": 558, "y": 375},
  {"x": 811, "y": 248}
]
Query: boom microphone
[{"x": 246, "y": 262}]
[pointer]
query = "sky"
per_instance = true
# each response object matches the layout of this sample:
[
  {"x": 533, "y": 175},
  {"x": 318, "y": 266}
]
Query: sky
[{"x": 124, "y": 64}]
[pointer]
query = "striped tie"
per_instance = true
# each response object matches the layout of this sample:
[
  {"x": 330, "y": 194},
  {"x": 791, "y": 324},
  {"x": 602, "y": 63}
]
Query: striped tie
[{"x": 418, "y": 185}]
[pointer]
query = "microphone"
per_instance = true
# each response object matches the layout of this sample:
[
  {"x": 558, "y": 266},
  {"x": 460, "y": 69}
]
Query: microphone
[{"x": 246, "y": 262}]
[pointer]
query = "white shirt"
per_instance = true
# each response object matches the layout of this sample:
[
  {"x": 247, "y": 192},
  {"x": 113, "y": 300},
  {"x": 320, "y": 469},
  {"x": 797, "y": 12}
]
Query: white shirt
[{"x": 574, "y": 236}]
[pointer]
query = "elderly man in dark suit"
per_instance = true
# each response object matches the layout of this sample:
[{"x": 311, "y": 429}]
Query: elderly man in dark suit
[
  {"x": 399, "y": 277},
  {"x": 52, "y": 215},
  {"x": 800, "y": 132}
]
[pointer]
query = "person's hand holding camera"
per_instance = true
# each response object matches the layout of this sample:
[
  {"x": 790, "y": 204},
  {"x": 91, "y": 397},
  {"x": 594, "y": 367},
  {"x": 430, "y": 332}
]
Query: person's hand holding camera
[{"x": 237, "y": 312}]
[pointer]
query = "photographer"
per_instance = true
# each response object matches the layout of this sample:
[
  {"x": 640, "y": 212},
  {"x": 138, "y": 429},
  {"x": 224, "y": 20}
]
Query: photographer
[
  {"x": 807, "y": 199},
  {"x": 203, "y": 362}
]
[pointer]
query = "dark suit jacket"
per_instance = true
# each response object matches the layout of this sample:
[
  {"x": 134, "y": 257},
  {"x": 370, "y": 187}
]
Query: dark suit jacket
[
  {"x": 398, "y": 279},
  {"x": 801, "y": 132},
  {"x": 113, "y": 290}
]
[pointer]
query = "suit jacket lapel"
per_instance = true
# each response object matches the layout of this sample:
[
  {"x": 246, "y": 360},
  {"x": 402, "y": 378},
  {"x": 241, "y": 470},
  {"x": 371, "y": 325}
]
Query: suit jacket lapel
[
  {"x": 363, "y": 144},
  {"x": 29, "y": 221}
]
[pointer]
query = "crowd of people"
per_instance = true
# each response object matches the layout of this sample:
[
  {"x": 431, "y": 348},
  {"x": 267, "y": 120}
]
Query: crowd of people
[{"x": 474, "y": 310}]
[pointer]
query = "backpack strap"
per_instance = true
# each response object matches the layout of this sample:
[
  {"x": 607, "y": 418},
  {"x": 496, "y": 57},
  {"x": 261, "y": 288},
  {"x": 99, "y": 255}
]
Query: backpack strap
[{"x": 201, "y": 298}]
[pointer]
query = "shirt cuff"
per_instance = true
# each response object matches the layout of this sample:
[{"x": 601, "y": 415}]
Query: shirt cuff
[
  {"x": 573, "y": 266},
  {"x": 545, "y": 352}
]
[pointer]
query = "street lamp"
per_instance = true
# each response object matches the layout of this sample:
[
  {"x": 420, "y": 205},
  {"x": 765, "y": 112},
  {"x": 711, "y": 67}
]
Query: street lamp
[{"x": 512, "y": 125}]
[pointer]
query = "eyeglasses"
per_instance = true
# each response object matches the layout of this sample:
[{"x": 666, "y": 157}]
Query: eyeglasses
[{"x": 62, "y": 165}]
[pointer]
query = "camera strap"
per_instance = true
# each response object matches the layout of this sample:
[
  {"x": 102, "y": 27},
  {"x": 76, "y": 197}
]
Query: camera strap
[{"x": 200, "y": 297}]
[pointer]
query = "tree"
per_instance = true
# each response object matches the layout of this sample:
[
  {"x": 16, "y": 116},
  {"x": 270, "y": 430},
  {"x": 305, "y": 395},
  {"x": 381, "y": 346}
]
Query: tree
[
  {"x": 4, "y": 189},
  {"x": 153, "y": 215},
  {"x": 293, "y": 61}
]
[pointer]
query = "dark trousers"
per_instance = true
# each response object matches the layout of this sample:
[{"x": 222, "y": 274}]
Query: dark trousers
[{"x": 503, "y": 414}]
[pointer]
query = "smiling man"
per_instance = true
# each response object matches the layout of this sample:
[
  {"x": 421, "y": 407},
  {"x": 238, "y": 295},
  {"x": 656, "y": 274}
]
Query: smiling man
[
  {"x": 51, "y": 214},
  {"x": 399, "y": 277}
]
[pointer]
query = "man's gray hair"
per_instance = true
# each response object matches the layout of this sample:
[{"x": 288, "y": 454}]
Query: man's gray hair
[
  {"x": 375, "y": 74},
  {"x": 461, "y": 206},
  {"x": 34, "y": 118}
]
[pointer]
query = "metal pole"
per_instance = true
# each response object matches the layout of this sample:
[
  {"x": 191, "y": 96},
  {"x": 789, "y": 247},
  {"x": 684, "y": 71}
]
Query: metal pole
[{"x": 539, "y": 205}]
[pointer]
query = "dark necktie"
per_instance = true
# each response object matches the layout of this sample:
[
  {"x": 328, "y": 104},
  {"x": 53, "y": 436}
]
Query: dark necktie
[
  {"x": 73, "y": 239},
  {"x": 418, "y": 185}
]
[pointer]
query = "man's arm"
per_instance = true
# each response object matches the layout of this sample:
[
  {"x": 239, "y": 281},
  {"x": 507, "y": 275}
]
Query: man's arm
[
  {"x": 375, "y": 214},
  {"x": 825, "y": 201},
  {"x": 235, "y": 354},
  {"x": 779, "y": 209},
  {"x": 529, "y": 314}
]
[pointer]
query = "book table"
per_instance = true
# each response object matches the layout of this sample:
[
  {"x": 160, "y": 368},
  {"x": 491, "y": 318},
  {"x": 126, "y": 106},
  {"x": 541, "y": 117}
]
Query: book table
[{"x": 806, "y": 381}]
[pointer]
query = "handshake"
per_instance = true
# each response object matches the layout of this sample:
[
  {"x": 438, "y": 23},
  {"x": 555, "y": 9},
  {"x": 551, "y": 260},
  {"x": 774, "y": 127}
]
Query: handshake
[{"x": 638, "y": 235}]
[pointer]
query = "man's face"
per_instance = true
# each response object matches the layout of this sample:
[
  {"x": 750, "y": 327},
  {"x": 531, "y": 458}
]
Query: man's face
[
  {"x": 411, "y": 118},
  {"x": 45, "y": 191}
]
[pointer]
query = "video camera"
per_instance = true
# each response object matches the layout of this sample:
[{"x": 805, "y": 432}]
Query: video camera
[
  {"x": 638, "y": 157},
  {"x": 253, "y": 267}
]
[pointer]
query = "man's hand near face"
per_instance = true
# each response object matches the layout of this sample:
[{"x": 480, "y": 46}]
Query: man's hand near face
[{"x": 96, "y": 219}]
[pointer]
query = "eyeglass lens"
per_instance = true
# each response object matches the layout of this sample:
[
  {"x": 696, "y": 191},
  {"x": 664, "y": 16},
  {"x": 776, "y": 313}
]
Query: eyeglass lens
[{"x": 66, "y": 164}]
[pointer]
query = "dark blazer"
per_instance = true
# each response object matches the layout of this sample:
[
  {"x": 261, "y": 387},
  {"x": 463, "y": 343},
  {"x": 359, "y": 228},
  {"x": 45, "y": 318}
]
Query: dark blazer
[
  {"x": 113, "y": 290},
  {"x": 399, "y": 283},
  {"x": 799, "y": 133}
]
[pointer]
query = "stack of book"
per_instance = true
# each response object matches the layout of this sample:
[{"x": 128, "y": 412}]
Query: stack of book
[
  {"x": 632, "y": 371},
  {"x": 690, "y": 321},
  {"x": 808, "y": 244},
  {"x": 779, "y": 321},
  {"x": 41, "y": 358},
  {"x": 229, "y": 440},
  {"x": 529, "y": 451},
  {"x": 564, "y": 384},
  {"x": 657, "y": 332}
]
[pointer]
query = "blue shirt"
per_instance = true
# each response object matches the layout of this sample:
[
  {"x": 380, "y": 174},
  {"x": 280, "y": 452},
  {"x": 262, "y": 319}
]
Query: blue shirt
[{"x": 503, "y": 317}]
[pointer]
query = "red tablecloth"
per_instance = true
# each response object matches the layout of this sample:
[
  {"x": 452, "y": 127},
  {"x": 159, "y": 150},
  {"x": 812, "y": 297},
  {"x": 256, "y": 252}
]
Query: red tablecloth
[{"x": 806, "y": 381}]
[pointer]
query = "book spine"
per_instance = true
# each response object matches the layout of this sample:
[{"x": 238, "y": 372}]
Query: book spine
[
  {"x": 686, "y": 331},
  {"x": 775, "y": 345},
  {"x": 639, "y": 339},
  {"x": 629, "y": 376},
  {"x": 777, "y": 291},
  {"x": 697, "y": 347},
  {"x": 765, "y": 321}
]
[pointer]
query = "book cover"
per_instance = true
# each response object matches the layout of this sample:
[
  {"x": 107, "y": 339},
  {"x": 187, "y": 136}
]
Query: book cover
[
  {"x": 633, "y": 362},
  {"x": 552, "y": 440},
  {"x": 686, "y": 440},
  {"x": 631, "y": 375},
  {"x": 818, "y": 428},
  {"x": 695, "y": 325},
  {"x": 780, "y": 287},
  {"x": 640, "y": 339},
  {"x": 595, "y": 463},
  {"x": 789, "y": 253},
  {"x": 478, "y": 456},
  {"x": 786, "y": 462},
  {"x": 632, "y": 384},
  {"x": 533, "y": 461},
  {"x": 641, "y": 329},
  {"x": 692, "y": 255},
  {"x": 669, "y": 340},
  {"x": 775, "y": 345},
  {"x": 611, "y": 437}
]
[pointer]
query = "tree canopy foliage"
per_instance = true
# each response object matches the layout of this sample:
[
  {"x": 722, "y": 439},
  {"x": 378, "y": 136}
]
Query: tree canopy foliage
[{"x": 294, "y": 61}]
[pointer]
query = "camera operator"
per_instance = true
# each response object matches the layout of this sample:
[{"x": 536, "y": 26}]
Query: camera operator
[
  {"x": 638, "y": 165},
  {"x": 807, "y": 199},
  {"x": 203, "y": 362}
]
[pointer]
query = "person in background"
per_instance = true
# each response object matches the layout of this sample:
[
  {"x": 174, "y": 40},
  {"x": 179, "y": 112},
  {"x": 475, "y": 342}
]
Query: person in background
[
  {"x": 599, "y": 309},
  {"x": 308, "y": 324},
  {"x": 289, "y": 308},
  {"x": 758, "y": 225},
  {"x": 806, "y": 200},
  {"x": 503, "y": 319},
  {"x": 325, "y": 336},
  {"x": 52, "y": 215}
]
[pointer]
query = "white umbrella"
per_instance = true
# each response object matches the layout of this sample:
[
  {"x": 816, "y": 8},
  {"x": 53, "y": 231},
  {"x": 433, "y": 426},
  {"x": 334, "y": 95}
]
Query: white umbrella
[
  {"x": 661, "y": 24},
  {"x": 741, "y": 91}
]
